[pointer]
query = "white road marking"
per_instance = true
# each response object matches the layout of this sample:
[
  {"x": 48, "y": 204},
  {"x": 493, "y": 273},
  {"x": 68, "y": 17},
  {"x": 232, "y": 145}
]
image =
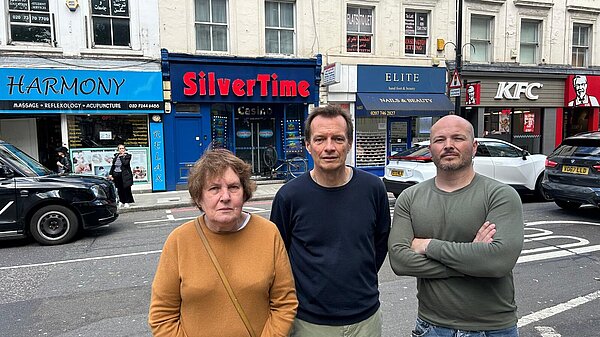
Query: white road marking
[
  {"x": 547, "y": 331},
  {"x": 580, "y": 242},
  {"x": 80, "y": 260},
  {"x": 560, "y": 253},
  {"x": 557, "y": 309}
]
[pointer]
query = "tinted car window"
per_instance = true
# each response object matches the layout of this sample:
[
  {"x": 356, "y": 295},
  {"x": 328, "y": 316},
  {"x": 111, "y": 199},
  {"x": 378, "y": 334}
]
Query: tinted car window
[
  {"x": 415, "y": 151},
  {"x": 502, "y": 150},
  {"x": 482, "y": 151},
  {"x": 578, "y": 147},
  {"x": 25, "y": 163}
]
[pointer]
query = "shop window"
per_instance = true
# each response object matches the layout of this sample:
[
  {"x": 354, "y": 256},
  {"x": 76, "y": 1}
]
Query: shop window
[
  {"x": 519, "y": 126},
  {"x": 279, "y": 27},
  {"x": 359, "y": 30},
  {"x": 529, "y": 42},
  {"x": 421, "y": 128},
  {"x": 220, "y": 125},
  {"x": 110, "y": 23},
  {"x": 481, "y": 38},
  {"x": 211, "y": 25},
  {"x": 370, "y": 141},
  {"x": 580, "y": 51},
  {"x": 30, "y": 21},
  {"x": 416, "y": 33}
]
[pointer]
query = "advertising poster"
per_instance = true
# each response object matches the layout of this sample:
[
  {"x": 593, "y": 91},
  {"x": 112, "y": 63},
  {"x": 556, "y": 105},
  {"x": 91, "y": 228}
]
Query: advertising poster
[
  {"x": 98, "y": 162},
  {"x": 504, "y": 122},
  {"x": 528, "y": 122},
  {"x": 293, "y": 138}
]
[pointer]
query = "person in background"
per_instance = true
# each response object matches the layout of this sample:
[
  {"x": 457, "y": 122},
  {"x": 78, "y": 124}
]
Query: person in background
[
  {"x": 188, "y": 296},
  {"x": 120, "y": 173},
  {"x": 460, "y": 233},
  {"x": 63, "y": 164},
  {"x": 335, "y": 222}
]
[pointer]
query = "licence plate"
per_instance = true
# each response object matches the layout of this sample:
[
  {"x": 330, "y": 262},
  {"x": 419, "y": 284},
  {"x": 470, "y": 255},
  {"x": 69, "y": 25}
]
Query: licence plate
[
  {"x": 575, "y": 169},
  {"x": 397, "y": 173}
]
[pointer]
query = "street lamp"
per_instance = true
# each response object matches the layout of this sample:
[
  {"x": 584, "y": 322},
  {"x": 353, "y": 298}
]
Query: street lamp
[{"x": 458, "y": 51}]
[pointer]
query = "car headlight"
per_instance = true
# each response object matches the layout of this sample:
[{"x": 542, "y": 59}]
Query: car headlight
[{"x": 99, "y": 192}]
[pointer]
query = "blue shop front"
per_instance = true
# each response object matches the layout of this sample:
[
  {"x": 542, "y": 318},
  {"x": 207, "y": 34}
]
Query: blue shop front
[
  {"x": 245, "y": 105},
  {"x": 395, "y": 107},
  {"x": 90, "y": 112}
]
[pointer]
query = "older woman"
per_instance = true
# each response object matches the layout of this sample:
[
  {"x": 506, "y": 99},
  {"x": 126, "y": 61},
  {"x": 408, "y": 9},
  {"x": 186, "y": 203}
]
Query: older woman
[{"x": 189, "y": 297}]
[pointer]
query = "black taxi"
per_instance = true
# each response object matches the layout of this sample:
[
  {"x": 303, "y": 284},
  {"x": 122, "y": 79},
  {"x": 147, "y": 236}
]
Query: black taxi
[{"x": 51, "y": 208}]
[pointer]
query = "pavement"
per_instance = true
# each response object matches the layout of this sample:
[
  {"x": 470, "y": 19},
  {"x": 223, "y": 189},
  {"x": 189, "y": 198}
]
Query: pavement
[{"x": 144, "y": 201}]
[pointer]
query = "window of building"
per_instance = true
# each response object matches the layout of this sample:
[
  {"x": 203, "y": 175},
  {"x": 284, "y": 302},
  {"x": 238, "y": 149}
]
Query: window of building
[
  {"x": 359, "y": 30},
  {"x": 211, "y": 25},
  {"x": 581, "y": 47},
  {"x": 30, "y": 21},
  {"x": 110, "y": 22},
  {"x": 481, "y": 38},
  {"x": 529, "y": 42},
  {"x": 519, "y": 126},
  {"x": 416, "y": 33},
  {"x": 279, "y": 27}
]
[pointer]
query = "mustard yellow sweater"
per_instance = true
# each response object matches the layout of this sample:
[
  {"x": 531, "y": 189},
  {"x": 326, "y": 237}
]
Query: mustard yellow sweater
[{"x": 188, "y": 298}]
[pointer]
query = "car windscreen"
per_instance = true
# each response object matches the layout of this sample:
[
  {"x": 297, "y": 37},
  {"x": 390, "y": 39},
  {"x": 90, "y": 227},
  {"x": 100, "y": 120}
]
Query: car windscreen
[
  {"x": 26, "y": 164},
  {"x": 415, "y": 151},
  {"x": 578, "y": 148}
]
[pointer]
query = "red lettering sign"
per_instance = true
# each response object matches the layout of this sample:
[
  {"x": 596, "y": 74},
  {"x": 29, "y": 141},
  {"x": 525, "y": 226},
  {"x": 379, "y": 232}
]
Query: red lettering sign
[{"x": 268, "y": 84}]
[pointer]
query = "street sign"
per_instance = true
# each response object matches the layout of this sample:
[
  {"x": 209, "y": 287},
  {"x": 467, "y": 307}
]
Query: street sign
[
  {"x": 456, "y": 82},
  {"x": 454, "y": 92}
]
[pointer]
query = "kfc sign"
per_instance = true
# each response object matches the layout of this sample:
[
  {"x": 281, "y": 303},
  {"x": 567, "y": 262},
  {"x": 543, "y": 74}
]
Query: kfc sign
[
  {"x": 203, "y": 84},
  {"x": 514, "y": 90}
]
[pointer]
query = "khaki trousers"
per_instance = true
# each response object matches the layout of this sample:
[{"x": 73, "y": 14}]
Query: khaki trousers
[{"x": 370, "y": 327}]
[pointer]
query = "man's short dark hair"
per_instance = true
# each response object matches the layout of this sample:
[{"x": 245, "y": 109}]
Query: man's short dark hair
[{"x": 330, "y": 111}]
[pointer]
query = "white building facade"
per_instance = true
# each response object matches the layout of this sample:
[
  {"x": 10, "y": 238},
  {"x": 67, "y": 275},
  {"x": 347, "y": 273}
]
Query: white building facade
[{"x": 85, "y": 75}]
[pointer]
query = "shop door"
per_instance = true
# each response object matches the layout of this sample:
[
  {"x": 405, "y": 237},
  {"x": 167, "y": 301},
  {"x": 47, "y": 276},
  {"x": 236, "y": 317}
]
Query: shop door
[
  {"x": 252, "y": 137},
  {"x": 22, "y": 133},
  {"x": 189, "y": 145},
  {"x": 399, "y": 134}
]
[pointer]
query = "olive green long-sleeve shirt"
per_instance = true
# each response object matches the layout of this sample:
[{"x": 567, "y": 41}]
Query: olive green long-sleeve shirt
[{"x": 461, "y": 284}]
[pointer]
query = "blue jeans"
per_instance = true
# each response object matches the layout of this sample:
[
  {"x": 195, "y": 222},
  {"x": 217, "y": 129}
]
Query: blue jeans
[{"x": 424, "y": 329}]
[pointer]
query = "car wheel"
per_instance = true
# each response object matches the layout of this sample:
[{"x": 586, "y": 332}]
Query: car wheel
[
  {"x": 540, "y": 194},
  {"x": 53, "y": 225},
  {"x": 568, "y": 205}
]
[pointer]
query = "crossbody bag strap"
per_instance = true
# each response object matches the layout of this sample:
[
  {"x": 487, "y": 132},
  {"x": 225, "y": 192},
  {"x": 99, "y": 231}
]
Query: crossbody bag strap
[{"x": 215, "y": 262}]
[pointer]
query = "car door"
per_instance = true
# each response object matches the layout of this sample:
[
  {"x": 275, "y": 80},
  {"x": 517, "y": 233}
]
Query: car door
[
  {"x": 8, "y": 200},
  {"x": 482, "y": 163},
  {"x": 509, "y": 165}
]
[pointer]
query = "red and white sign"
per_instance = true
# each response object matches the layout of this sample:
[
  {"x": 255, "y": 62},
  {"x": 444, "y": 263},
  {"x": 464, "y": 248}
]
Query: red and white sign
[
  {"x": 456, "y": 82},
  {"x": 473, "y": 94},
  {"x": 528, "y": 122},
  {"x": 582, "y": 90}
]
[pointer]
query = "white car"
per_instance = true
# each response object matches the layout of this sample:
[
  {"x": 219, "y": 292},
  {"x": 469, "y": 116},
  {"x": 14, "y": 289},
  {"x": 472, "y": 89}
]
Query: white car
[{"x": 495, "y": 158}]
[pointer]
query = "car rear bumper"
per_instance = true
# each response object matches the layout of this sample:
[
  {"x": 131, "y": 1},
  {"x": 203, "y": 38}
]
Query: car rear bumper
[
  {"x": 396, "y": 187},
  {"x": 580, "y": 194}
]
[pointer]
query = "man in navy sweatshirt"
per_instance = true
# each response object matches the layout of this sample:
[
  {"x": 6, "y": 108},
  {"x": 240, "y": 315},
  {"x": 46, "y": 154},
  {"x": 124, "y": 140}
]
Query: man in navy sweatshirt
[{"x": 335, "y": 222}]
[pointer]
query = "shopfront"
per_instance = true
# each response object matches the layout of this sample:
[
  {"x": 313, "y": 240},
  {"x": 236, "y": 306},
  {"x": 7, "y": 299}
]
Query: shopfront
[
  {"x": 89, "y": 112},
  {"x": 395, "y": 107},
  {"x": 582, "y": 95},
  {"x": 242, "y": 104},
  {"x": 521, "y": 109}
]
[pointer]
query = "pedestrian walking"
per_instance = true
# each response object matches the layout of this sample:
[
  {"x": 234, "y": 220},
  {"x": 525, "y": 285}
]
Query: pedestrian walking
[
  {"x": 460, "y": 233},
  {"x": 335, "y": 222},
  {"x": 226, "y": 273},
  {"x": 120, "y": 172}
]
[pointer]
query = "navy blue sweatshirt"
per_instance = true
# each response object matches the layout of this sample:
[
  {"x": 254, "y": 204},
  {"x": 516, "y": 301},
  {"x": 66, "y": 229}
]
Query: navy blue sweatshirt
[{"x": 337, "y": 241}]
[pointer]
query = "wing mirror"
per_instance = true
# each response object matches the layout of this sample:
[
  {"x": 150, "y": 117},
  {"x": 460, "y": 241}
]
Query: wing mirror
[{"x": 525, "y": 154}]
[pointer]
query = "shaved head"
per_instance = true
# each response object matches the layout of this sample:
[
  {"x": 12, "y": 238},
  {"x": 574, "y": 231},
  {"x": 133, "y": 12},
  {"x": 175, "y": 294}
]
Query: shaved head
[{"x": 455, "y": 122}]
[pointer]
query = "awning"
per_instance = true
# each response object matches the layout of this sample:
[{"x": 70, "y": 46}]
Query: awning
[{"x": 390, "y": 104}]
